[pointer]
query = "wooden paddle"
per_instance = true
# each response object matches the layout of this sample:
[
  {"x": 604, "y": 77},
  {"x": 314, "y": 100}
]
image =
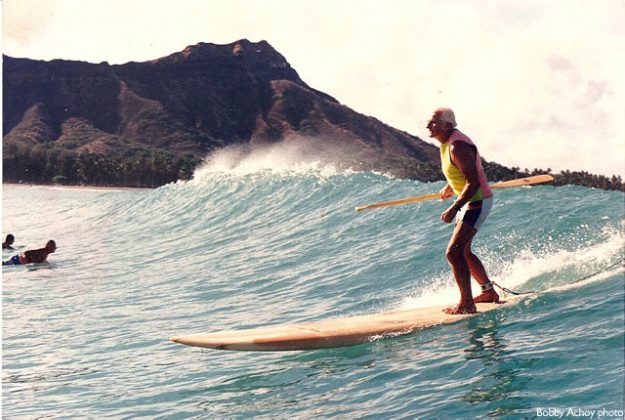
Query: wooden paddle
[{"x": 532, "y": 180}]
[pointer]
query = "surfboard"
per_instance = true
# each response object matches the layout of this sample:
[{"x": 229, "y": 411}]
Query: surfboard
[
  {"x": 38, "y": 266},
  {"x": 338, "y": 332}
]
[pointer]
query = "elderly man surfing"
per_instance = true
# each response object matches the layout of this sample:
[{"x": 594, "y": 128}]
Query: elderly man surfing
[{"x": 465, "y": 176}]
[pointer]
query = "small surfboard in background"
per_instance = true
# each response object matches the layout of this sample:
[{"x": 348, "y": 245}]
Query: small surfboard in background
[
  {"x": 38, "y": 266},
  {"x": 339, "y": 332}
]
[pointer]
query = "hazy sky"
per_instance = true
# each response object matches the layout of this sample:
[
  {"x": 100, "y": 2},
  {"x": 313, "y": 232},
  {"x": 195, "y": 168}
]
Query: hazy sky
[{"x": 536, "y": 84}]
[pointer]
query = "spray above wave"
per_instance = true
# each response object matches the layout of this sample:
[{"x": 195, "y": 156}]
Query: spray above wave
[{"x": 294, "y": 156}]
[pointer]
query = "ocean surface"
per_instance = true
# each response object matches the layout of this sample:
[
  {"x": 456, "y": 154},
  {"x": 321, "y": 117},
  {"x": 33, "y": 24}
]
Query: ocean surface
[{"x": 255, "y": 242}]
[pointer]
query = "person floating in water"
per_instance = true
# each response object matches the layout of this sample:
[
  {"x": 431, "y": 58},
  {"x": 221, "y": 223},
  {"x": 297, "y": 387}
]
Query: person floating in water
[
  {"x": 33, "y": 256},
  {"x": 462, "y": 167},
  {"x": 8, "y": 242}
]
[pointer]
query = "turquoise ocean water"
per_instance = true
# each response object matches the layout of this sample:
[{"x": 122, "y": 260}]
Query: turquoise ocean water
[{"x": 241, "y": 246}]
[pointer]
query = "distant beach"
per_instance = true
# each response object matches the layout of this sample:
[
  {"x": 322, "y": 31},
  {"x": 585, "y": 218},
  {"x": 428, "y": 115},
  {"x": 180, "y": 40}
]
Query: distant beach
[{"x": 73, "y": 187}]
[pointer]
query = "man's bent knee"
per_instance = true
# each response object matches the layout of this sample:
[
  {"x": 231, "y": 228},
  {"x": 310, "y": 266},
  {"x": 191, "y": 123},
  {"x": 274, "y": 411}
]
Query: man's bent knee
[
  {"x": 468, "y": 254},
  {"x": 454, "y": 253}
]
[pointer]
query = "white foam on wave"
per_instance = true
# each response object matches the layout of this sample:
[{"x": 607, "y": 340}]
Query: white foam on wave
[
  {"x": 532, "y": 270},
  {"x": 287, "y": 158}
]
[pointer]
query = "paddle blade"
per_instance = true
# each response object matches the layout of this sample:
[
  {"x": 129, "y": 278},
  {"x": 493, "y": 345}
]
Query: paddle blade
[
  {"x": 399, "y": 202},
  {"x": 531, "y": 180}
]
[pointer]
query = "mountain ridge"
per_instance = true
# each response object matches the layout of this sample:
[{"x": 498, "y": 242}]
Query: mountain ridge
[{"x": 75, "y": 118}]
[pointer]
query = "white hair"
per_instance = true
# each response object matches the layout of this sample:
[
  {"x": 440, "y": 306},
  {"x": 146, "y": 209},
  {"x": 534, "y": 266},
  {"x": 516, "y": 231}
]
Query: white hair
[{"x": 446, "y": 115}]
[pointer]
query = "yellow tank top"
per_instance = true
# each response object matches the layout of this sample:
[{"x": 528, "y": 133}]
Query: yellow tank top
[{"x": 454, "y": 176}]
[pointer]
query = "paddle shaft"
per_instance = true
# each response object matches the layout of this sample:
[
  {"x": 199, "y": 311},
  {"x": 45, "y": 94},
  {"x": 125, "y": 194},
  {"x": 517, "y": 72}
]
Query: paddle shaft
[{"x": 532, "y": 180}]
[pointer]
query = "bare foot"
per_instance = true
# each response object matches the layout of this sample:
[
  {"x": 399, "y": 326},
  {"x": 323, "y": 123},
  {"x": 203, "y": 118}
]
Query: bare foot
[
  {"x": 461, "y": 309},
  {"x": 488, "y": 296}
]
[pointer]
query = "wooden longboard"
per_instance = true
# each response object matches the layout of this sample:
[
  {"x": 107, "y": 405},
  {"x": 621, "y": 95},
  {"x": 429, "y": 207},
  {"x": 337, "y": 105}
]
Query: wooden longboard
[{"x": 339, "y": 332}]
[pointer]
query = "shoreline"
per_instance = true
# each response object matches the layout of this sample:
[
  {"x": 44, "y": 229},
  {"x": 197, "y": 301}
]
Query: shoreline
[{"x": 93, "y": 188}]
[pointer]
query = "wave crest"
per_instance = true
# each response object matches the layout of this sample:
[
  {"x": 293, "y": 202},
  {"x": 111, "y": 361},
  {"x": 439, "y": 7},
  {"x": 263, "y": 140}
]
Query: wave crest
[{"x": 293, "y": 156}]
